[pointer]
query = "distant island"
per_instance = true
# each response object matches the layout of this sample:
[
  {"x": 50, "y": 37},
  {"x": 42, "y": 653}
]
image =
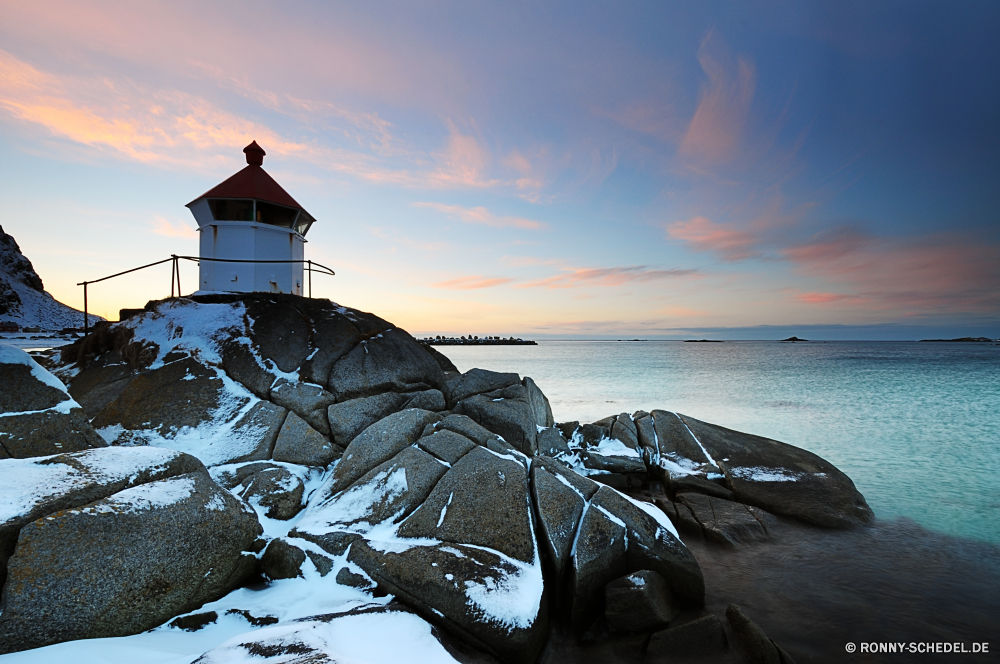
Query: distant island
[
  {"x": 703, "y": 341},
  {"x": 633, "y": 340},
  {"x": 794, "y": 339},
  {"x": 475, "y": 341},
  {"x": 964, "y": 339}
]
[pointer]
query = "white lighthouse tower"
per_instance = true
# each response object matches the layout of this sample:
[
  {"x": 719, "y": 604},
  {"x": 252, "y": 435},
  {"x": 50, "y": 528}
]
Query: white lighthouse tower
[{"x": 249, "y": 217}]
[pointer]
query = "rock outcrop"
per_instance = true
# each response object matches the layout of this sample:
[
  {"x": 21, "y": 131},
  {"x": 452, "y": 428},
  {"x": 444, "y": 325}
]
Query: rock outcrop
[
  {"x": 23, "y": 298},
  {"x": 113, "y": 541},
  {"x": 38, "y": 417},
  {"x": 375, "y": 466}
]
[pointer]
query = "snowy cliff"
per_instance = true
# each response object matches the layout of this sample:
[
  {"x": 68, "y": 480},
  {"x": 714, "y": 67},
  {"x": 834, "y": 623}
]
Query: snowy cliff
[{"x": 23, "y": 299}]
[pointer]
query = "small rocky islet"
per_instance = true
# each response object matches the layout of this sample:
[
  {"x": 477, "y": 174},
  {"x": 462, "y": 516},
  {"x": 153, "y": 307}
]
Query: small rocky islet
[{"x": 221, "y": 442}]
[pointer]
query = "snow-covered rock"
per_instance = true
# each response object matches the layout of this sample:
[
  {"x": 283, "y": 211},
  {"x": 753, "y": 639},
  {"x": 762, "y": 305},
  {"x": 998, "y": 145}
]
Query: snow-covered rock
[
  {"x": 125, "y": 563},
  {"x": 37, "y": 415},
  {"x": 294, "y": 402},
  {"x": 23, "y": 298}
]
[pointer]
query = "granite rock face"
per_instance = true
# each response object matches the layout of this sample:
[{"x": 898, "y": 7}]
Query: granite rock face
[
  {"x": 31, "y": 489},
  {"x": 139, "y": 557}
]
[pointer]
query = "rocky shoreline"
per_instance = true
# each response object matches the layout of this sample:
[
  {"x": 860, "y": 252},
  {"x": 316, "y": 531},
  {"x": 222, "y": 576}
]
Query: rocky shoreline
[{"x": 225, "y": 442}]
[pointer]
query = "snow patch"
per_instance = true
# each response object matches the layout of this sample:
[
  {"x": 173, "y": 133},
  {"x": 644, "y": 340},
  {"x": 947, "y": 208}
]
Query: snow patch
[
  {"x": 761, "y": 474},
  {"x": 27, "y": 483}
]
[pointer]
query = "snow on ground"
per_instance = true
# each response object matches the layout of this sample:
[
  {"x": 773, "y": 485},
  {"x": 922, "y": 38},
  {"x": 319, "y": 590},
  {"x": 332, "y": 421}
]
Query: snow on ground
[
  {"x": 189, "y": 326},
  {"x": 224, "y": 436},
  {"x": 348, "y": 639}
]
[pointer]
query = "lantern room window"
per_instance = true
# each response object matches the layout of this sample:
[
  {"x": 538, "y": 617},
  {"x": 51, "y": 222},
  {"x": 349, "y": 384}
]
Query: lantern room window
[
  {"x": 231, "y": 210},
  {"x": 276, "y": 215}
]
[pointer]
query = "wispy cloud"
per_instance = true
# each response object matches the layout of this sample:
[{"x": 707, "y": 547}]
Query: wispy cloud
[
  {"x": 717, "y": 126},
  {"x": 163, "y": 226},
  {"x": 171, "y": 128},
  {"x": 480, "y": 215},
  {"x": 918, "y": 276},
  {"x": 703, "y": 234},
  {"x": 472, "y": 283},
  {"x": 609, "y": 276},
  {"x": 824, "y": 298}
]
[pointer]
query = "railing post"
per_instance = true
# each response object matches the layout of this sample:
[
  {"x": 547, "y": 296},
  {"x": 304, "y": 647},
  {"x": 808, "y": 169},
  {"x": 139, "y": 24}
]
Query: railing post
[
  {"x": 173, "y": 272},
  {"x": 177, "y": 271},
  {"x": 310, "y": 279},
  {"x": 86, "y": 318}
]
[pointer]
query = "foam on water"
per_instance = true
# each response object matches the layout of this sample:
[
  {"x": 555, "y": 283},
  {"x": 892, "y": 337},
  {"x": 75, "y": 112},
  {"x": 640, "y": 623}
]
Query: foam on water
[{"x": 915, "y": 425}]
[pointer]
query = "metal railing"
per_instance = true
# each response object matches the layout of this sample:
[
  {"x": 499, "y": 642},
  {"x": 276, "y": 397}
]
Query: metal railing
[{"x": 175, "y": 275}]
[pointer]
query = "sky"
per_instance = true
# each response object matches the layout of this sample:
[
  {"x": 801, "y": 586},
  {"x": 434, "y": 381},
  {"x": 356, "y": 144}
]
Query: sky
[{"x": 565, "y": 170}]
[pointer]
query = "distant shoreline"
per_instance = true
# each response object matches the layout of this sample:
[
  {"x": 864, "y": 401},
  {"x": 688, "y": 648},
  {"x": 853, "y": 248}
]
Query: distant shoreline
[{"x": 475, "y": 341}]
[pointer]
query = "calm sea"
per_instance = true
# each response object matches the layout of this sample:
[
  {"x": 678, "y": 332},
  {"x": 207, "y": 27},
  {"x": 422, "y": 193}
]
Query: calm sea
[{"x": 915, "y": 425}]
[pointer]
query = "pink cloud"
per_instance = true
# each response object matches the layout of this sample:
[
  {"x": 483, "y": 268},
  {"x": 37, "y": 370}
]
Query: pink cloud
[
  {"x": 166, "y": 228},
  {"x": 480, "y": 215},
  {"x": 611, "y": 276},
  {"x": 930, "y": 275},
  {"x": 472, "y": 283},
  {"x": 717, "y": 127},
  {"x": 706, "y": 235},
  {"x": 824, "y": 298},
  {"x": 170, "y": 128}
]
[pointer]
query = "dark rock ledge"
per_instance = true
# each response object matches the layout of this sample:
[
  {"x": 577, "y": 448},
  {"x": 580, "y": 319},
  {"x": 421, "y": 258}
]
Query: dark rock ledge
[{"x": 456, "y": 493}]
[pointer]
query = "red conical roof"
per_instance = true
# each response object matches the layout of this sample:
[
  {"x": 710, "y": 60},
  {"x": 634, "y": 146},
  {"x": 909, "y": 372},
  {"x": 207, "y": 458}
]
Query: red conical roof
[{"x": 252, "y": 182}]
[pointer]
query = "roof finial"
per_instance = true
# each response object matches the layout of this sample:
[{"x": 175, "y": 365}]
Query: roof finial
[{"x": 255, "y": 154}]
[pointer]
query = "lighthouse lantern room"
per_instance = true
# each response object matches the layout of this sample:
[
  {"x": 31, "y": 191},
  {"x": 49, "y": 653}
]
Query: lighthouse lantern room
[{"x": 245, "y": 222}]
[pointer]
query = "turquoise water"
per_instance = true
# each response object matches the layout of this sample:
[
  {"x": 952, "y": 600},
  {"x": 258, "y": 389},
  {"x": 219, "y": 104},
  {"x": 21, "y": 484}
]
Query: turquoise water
[{"x": 915, "y": 425}]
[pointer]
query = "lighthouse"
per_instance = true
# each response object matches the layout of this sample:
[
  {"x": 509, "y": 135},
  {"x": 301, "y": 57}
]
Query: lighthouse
[{"x": 252, "y": 233}]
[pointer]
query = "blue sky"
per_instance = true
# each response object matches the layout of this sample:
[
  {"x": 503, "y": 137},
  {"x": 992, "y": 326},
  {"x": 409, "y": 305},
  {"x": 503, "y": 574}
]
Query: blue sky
[{"x": 738, "y": 169}]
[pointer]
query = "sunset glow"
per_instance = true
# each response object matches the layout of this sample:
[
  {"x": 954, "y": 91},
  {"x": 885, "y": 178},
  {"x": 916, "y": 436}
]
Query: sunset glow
[{"x": 560, "y": 171}]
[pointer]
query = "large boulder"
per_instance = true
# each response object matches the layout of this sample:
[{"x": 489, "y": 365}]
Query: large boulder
[
  {"x": 275, "y": 489},
  {"x": 483, "y": 500},
  {"x": 493, "y": 602},
  {"x": 125, "y": 563},
  {"x": 299, "y": 443},
  {"x": 781, "y": 478},
  {"x": 38, "y": 417},
  {"x": 677, "y": 443},
  {"x": 704, "y": 638},
  {"x": 618, "y": 536},
  {"x": 639, "y": 602},
  {"x": 446, "y": 445},
  {"x": 478, "y": 381},
  {"x": 509, "y": 413},
  {"x": 308, "y": 401},
  {"x": 560, "y": 497},
  {"x": 34, "y": 488},
  {"x": 349, "y": 418},
  {"x": 390, "y": 360},
  {"x": 377, "y": 444},
  {"x": 385, "y": 495}
]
